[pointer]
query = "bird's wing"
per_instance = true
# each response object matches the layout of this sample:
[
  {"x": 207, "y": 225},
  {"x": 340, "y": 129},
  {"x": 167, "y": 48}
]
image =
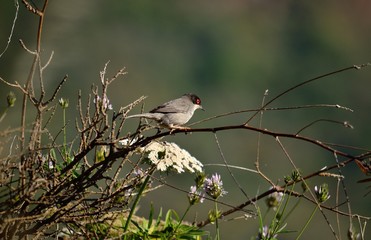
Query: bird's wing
[{"x": 175, "y": 106}]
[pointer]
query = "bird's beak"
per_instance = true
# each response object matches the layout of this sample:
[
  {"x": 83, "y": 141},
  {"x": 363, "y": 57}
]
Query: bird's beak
[{"x": 202, "y": 108}]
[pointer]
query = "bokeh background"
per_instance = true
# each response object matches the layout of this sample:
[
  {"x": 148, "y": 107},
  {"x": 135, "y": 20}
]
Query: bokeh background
[{"x": 228, "y": 53}]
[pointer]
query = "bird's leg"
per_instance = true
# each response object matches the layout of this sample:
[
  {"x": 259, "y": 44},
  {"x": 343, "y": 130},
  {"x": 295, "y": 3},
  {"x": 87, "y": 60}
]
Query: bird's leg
[{"x": 173, "y": 128}]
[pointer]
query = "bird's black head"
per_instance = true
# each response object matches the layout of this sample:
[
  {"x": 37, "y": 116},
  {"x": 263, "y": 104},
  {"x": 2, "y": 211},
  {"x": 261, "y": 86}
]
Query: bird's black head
[{"x": 194, "y": 98}]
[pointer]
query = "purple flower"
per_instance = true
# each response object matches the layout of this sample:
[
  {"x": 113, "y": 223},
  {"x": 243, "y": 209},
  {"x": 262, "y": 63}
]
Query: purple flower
[
  {"x": 195, "y": 196},
  {"x": 274, "y": 199},
  {"x": 214, "y": 186}
]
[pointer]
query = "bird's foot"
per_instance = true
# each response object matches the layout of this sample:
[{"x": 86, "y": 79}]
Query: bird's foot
[{"x": 173, "y": 128}]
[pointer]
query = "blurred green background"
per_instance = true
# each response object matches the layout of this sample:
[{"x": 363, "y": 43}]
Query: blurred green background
[{"x": 228, "y": 53}]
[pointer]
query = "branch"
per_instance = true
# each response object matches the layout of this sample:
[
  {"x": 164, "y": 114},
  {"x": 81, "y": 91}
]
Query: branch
[
  {"x": 56, "y": 90},
  {"x": 16, "y": 4},
  {"x": 357, "y": 67},
  {"x": 273, "y": 109},
  {"x": 246, "y": 127}
]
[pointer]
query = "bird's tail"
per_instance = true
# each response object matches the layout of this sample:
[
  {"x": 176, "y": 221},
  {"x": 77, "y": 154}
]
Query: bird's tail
[{"x": 144, "y": 115}]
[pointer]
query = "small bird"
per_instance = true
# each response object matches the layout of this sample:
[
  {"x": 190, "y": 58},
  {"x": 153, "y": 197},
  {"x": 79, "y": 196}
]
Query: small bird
[{"x": 175, "y": 113}]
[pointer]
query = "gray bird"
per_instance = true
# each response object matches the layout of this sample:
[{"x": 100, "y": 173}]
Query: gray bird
[{"x": 175, "y": 113}]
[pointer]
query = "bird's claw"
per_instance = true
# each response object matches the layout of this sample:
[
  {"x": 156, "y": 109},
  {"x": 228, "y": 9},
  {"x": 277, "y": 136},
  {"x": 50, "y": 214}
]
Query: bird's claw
[{"x": 173, "y": 128}]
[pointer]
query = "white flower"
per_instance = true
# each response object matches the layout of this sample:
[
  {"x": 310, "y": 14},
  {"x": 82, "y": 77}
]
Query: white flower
[
  {"x": 126, "y": 142},
  {"x": 51, "y": 164},
  {"x": 103, "y": 102},
  {"x": 167, "y": 155},
  {"x": 322, "y": 193}
]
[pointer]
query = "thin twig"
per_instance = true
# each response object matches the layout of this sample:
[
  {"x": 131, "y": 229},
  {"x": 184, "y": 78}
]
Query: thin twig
[
  {"x": 16, "y": 4},
  {"x": 228, "y": 168},
  {"x": 308, "y": 188},
  {"x": 273, "y": 109},
  {"x": 257, "y": 162},
  {"x": 357, "y": 67},
  {"x": 52, "y": 98},
  {"x": 48, "y": 62},
  {"x": 345, "y": 124}
]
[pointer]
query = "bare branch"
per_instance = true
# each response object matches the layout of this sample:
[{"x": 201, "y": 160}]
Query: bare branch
[
  {"x": 48, "y": 62},
  {"x": 25, "y": 48},
  {"x": 56, "y": 90},
  {"x": 16, "y": 4},
  {"x": 273, "y": 109},
  {"x": 357, "y": 67},
  {"x": 31, "y": 8}
]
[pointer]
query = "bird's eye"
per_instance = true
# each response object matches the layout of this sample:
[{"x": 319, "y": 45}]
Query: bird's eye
[{"x": 198, "y": 101}]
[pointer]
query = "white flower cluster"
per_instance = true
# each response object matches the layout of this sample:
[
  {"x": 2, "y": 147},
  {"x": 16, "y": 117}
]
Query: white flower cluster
[{"x": 167, "y": 155}]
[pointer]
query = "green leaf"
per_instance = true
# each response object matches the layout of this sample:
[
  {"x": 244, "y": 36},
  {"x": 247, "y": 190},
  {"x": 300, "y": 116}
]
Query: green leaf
[
  {"x": 159, "y": 218},
  {"x": 150, "y": 218}
]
